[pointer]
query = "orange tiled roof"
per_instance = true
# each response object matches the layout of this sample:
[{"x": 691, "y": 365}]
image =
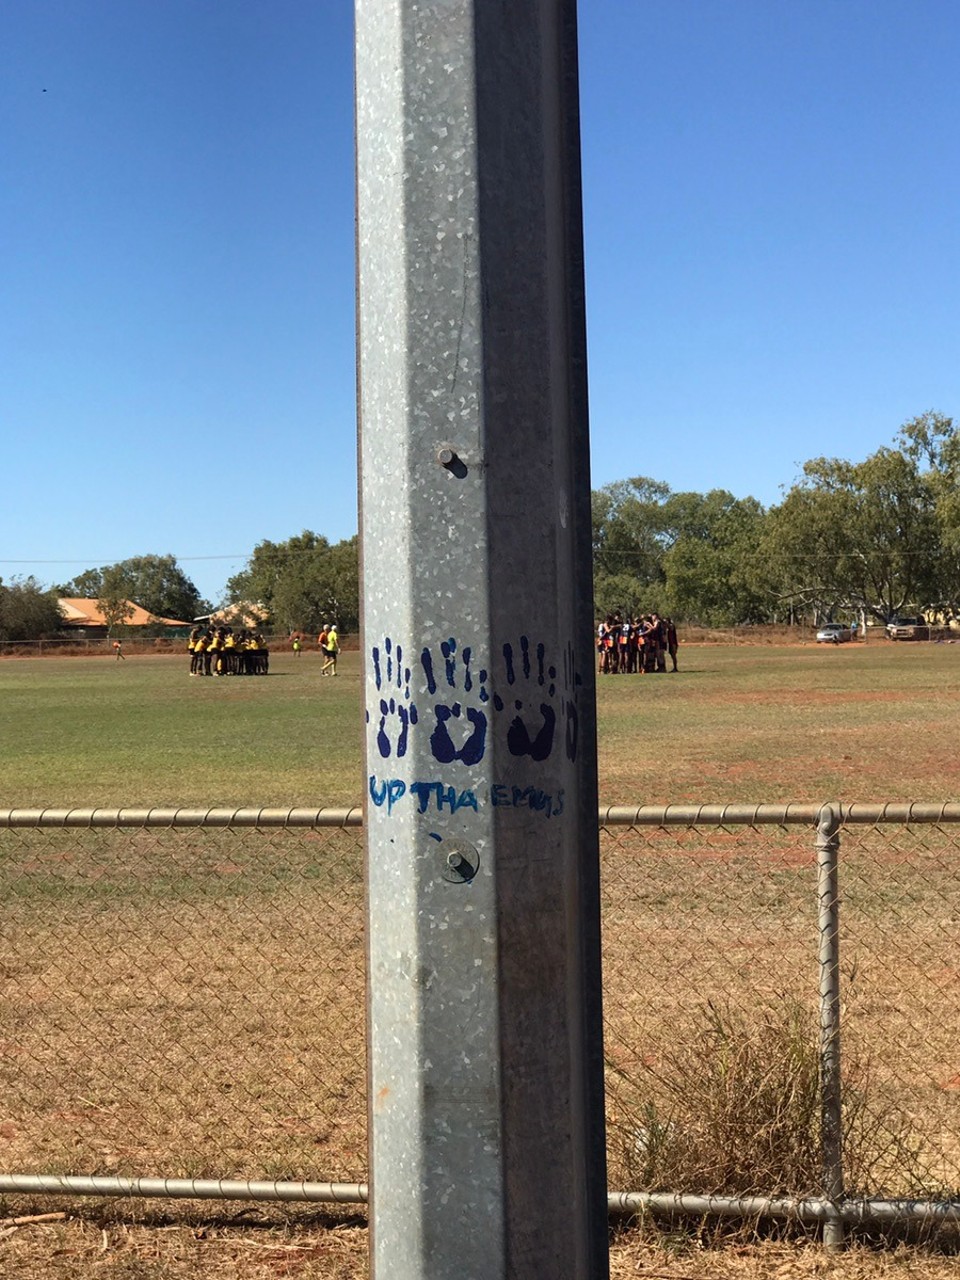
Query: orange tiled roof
[{"x": 78, "y": 612}]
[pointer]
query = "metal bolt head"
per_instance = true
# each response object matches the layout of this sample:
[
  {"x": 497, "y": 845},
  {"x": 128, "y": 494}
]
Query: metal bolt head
[{"x": 460, "y": 863}]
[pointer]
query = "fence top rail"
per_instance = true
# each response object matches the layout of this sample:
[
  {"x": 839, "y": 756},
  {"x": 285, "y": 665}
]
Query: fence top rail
[
  {"x": 172, "y": 818},
  {"x": 899, "y": 813}
]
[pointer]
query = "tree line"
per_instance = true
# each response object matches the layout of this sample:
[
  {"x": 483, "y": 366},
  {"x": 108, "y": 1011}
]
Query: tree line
[
  {"x": 869, "y": 539},
  {"x": 298, "y": 585}
]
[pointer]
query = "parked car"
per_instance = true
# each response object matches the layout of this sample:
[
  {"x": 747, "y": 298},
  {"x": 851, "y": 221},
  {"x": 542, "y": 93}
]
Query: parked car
[
  {"x": 833, "y": 633},
  {"x": 908, "y": 629}
]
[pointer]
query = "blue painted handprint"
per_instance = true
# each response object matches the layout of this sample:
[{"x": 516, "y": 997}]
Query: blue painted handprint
[
  {"x": 524, "y": 738},
  {"x": 397, "y": 711},
  {"x": 452, "y": 702},
  {"x": 460, "y": 731}
]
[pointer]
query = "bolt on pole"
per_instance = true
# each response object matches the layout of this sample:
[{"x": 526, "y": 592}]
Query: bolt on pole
[{"x": 485, "y": 1033}]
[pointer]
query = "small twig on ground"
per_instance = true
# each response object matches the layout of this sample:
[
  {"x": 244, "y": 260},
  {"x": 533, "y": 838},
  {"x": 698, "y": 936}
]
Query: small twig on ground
[
  {"x": 664, "y": 1275},
  {"x": 27, "y": 1219},
  {"x": 254, "y": 1244}
]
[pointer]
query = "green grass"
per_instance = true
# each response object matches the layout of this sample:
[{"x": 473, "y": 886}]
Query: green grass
[
  {"x": 738, "y": 723},
  {"x": 89, "y": 731}
]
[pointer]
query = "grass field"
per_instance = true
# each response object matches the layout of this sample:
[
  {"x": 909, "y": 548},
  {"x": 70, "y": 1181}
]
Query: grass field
[
  {"x": 150, "y": 920},
  {"x": 797, "y": 722}
]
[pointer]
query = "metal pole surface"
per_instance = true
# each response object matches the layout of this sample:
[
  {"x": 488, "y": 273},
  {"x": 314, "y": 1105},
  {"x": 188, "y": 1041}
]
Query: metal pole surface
[
  {"x": 831, "y": 1089},
  {"x": 486, "y": 1112}
]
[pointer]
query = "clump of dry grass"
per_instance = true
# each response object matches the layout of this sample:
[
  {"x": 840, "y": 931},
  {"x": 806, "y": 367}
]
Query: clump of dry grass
[{"x": 732, "y": 1107}]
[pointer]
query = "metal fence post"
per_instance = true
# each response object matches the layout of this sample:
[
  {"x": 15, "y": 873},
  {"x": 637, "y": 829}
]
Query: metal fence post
[
  {"x": 831, "y": 1097},
  {"x": 487, "y": 1143}
]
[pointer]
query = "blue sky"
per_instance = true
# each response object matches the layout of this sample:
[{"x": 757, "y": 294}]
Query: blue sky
[{"x": 772, "y": 222}]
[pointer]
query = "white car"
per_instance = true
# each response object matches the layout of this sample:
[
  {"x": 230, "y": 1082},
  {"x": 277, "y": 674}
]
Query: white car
[
  {"x": 908, "y": 629},
  {"x": 833, "y": 633}
]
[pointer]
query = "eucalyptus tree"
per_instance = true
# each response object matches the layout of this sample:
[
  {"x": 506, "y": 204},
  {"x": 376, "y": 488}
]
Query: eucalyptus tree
[
  {"x": 932, "y": 442},
  {"x": 715, "y": 573},
  {"x": 28, "y": 611},
  {"x": 302, "y": 582},
  {"x": 859, "y": 536},
  {"x": 155, "y": 583},
  {"x": 692, "y": 554}
]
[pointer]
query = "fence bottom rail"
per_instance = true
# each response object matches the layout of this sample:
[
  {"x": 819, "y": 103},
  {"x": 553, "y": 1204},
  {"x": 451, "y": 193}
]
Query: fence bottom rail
[{"x": 870, "y": 1211}]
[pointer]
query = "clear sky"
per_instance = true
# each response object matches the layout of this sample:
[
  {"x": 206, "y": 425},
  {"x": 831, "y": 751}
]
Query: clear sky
[{"x": 772, "y": 218}]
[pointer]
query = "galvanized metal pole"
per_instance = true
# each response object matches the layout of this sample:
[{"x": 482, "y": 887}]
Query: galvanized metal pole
[
  {"x": 487, "y": 1142},
  {"x": 831, "y": 1095}
]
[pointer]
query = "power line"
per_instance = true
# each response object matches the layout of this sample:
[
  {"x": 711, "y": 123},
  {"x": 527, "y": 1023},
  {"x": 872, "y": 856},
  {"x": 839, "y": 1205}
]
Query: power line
[{"x": 239, "y": 555}]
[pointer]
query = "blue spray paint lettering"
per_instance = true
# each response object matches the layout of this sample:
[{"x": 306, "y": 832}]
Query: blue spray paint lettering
[
  {"x": 386, "y": 792},
  {"x": 443, "y": 795},
  {"x": 502, "y": 796}
]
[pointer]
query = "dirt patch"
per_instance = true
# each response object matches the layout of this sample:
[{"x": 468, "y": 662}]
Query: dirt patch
[{"x": 813, "y": 697}]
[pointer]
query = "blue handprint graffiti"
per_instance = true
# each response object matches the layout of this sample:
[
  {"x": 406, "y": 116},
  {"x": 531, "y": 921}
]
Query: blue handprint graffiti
[
  {"x": 523, "y": 739},
  {"x": 572, "y": 681},
  {"x": 537, "y": 700},
  {"x": 397, "y": 707},
  {"x": 450, "y": 714}
]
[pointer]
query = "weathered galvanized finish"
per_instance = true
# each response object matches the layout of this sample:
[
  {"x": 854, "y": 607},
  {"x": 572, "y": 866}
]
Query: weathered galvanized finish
[
  {"x": 487, "y": 1155},
  {"x": 831, "y": 1084}
]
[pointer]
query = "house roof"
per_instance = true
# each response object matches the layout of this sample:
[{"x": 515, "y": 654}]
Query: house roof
[
  {"x": 245, "y": 613},
  {"x": 79, "y": 612}
]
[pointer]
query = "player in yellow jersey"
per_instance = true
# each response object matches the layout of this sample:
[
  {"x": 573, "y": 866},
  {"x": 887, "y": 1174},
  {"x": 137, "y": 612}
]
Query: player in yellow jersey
[
  {"x": 195, "y": 635},
  {"x": 330, "y": 651}
]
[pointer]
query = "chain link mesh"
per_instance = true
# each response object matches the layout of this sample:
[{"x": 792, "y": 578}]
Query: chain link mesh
[
  {"x": 189, "y": 1002},
  {"x": 900, "y": 981},
  {"x": 712, "y": 1021},
  {"x": 185, "y": 1003}
]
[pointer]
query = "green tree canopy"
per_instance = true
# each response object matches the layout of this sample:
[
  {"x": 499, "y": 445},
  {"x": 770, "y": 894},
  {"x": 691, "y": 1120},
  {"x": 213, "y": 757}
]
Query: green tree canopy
[
  {"x": 692, "y": 554},
  {"x": 113, "y": 599},
  {"x": 714, "y": 573},
  {"x": 155, "y": 583},
  {"x": 27, "y": 610},
  {"x": 857, "y": 536},
  {"x": 932, "y": 442},
  {"x": 303, "y": 582}
]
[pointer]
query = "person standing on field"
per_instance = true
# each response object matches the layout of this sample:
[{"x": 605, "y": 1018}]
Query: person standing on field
[
  {"x": 670, "y": 632},
  {"x": 118, "y": 647},
  {"x": 330, "y": 650},
  {"x": 195, "y": 635}
]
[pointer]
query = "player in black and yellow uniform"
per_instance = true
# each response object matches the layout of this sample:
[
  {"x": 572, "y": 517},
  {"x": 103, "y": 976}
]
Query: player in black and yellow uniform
[{"x": 195, "y": 635}]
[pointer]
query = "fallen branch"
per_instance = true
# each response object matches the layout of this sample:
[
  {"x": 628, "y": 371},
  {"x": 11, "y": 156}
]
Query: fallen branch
[{"x": 32, "y": 1217}]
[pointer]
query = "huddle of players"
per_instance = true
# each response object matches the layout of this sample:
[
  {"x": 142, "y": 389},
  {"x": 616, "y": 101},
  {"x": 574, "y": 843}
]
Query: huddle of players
[
  {"x": 628, "y": 646},
  {"x": 221, "y": 653}
]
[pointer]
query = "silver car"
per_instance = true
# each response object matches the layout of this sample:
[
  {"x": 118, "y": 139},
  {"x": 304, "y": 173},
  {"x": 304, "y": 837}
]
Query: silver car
[{"x": 833, "y": 633}]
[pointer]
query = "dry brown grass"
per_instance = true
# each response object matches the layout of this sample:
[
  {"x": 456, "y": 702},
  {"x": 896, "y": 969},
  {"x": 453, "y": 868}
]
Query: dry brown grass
[
  {"x": 191, "y": 1006},
  {"x": 113, "y": 1243},
  {"x": 728, "y": 918}
]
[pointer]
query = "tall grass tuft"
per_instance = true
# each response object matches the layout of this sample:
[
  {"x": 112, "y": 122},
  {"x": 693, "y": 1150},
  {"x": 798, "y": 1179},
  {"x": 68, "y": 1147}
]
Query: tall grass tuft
[{"x": 732, "y": 1107}]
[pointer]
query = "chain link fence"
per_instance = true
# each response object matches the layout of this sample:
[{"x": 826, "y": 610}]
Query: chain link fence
[
  {"x": 183, "y": 999},
  {"x": 183, "y": 995},
  {"x": 772, "y": 990}
]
